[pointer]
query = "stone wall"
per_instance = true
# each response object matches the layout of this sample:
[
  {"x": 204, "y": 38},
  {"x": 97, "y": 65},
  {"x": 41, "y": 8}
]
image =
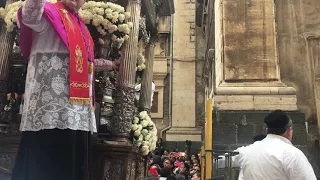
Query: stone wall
[
  {"x": 184, "y": 126},
  {"x": 298, "y": 24},
  {"x": 200, "y": 83},
  {"x": 183, "y": 95}
]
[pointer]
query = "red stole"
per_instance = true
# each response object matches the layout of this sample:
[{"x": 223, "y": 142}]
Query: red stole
[{"x": 79, "y": 66}]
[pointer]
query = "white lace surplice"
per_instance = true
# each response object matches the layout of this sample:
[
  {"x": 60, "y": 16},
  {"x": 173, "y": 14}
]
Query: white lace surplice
[{"x": 46, "y": 100}]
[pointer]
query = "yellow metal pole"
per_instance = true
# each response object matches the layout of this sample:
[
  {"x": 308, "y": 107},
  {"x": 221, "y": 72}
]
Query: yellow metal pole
[
  {"x": 208, "y": 139},
  {"x": 202, "y": 162}
]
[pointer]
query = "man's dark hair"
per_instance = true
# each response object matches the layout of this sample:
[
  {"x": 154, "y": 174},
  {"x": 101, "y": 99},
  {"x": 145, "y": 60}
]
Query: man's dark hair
[
  {"x": 167, "y": 158},
  {"x": 259, "y": 137},
  {"x": 277, "y": 122}
]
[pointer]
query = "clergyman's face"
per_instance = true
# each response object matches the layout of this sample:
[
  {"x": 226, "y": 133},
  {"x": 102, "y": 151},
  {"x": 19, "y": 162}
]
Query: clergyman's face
[{"x": 73, "y": 4}]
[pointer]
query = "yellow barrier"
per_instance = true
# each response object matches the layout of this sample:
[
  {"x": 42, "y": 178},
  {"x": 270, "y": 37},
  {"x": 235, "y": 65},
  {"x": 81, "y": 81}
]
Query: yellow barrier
[{"x": 208, "y": 140}]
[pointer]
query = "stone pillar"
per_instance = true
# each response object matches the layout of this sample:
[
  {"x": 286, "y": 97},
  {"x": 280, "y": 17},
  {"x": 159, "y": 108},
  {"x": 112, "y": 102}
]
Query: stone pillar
[
  {"x": 146, "y": 84},
  {"x": 6, "y": 43},
  {"x": 125, "y": 93},
  {"x": 247, "y": 73}
]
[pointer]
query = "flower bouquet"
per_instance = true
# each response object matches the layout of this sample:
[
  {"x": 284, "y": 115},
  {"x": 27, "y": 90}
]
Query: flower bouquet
[
  {"x": 140, "y": 62},
  {"x": 105, "y": 21},
  {"x": 144, "y": 133}
]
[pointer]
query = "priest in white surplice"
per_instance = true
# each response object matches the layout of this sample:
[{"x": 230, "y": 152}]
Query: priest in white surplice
[{"x": 275, "y": 158}]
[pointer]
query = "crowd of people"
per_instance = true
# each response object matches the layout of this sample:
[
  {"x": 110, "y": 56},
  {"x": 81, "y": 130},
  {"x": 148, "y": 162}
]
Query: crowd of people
[{"x": 174, "y": 165}]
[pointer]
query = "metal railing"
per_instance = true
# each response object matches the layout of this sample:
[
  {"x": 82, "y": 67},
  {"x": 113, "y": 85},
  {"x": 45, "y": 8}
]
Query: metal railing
[{"x": 222, "y": 164}]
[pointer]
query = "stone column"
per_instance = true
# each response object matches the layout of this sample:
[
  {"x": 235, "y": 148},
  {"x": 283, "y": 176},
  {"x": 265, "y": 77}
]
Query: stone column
[
  {"x": 247, "y": 73},
  {"x": 125, "y": 93},
  {"x": 6, "y": 43},
  {"x": 146, "y": 84}
]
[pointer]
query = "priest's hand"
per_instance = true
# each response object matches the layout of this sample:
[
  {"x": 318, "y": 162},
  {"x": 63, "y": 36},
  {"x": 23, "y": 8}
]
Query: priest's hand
[{"x": 103, "y": 64}]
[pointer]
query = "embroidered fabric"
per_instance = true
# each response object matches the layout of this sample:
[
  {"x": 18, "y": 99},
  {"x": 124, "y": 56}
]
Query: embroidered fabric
[
  {"x": 47, "y": 104},
  {"x": 32, "y": 11}
]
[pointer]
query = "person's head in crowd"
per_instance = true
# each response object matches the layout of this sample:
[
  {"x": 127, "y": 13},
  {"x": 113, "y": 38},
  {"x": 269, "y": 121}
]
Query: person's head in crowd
[
  {"x": 167, "y": 163},
  {"x": 157, "y": 152},
  {"x": 156, "y": 159},
  {"x": 196, "y": 176},
  {"x": 186, "y": 152},
  {"x": 159, "y": 141},
  {"x": 197, "y": 168},
  {"x": 187, "y": 160},
  {"x": 259, "y": 137},
  {"x": 153, "y": 171},
  {"x": 180, "y": 158},
  {"x": 177, "y": 164},
  {"x": 279, "y": 123},
  {"x": 171, "y": 178},
  {"x": 194, "y": 156},
  {"x": 195, "y": 161},
  {"x": 152, "y": 177},
  {"x": 165, "y": 172},
  {"x": 180, "y": 177},
  {"x": 173, "y": 159},
  {"x": 166, "y": 152},
  {"x": 194, "y": 169},
  {"x": 184, "y": 168},
  {"x": 156, "y": 167}
]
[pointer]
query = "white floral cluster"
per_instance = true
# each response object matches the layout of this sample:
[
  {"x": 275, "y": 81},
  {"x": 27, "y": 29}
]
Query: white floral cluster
[
  {"x": 9, "y": 15},
  {"x": 108, "y": 18},
  {"x": 144, "y": 133},
  {"x": 140, "y": 62}
]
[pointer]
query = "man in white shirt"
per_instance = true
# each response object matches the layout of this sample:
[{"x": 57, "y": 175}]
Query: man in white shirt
[{"x": 275, "y": 158}]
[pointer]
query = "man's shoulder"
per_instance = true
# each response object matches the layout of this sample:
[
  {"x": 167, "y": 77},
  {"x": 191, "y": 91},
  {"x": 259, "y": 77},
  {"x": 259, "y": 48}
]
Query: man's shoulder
[{"x": 291, "y": 150}]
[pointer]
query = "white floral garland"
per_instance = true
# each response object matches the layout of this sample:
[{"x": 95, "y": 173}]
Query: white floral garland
[
  {"x": 140, "y": 62},
  {"x": 144, "y": 133},
  {"x": 107, "y": 17}
]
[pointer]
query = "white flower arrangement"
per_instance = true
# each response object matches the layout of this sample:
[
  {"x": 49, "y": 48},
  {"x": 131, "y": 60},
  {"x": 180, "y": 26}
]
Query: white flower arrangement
[
  {"x": 140, "y": 62},
  {"x": 106, "y": 17},
  {"x": 9, "y": 15},
  {"x": 144, "y": 133}
]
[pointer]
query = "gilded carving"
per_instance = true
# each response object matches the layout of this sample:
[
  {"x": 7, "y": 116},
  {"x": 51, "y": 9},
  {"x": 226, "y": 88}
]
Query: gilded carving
[
  {"x": 79, "y": 85},
  {"x": 79, "y": 60}
]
